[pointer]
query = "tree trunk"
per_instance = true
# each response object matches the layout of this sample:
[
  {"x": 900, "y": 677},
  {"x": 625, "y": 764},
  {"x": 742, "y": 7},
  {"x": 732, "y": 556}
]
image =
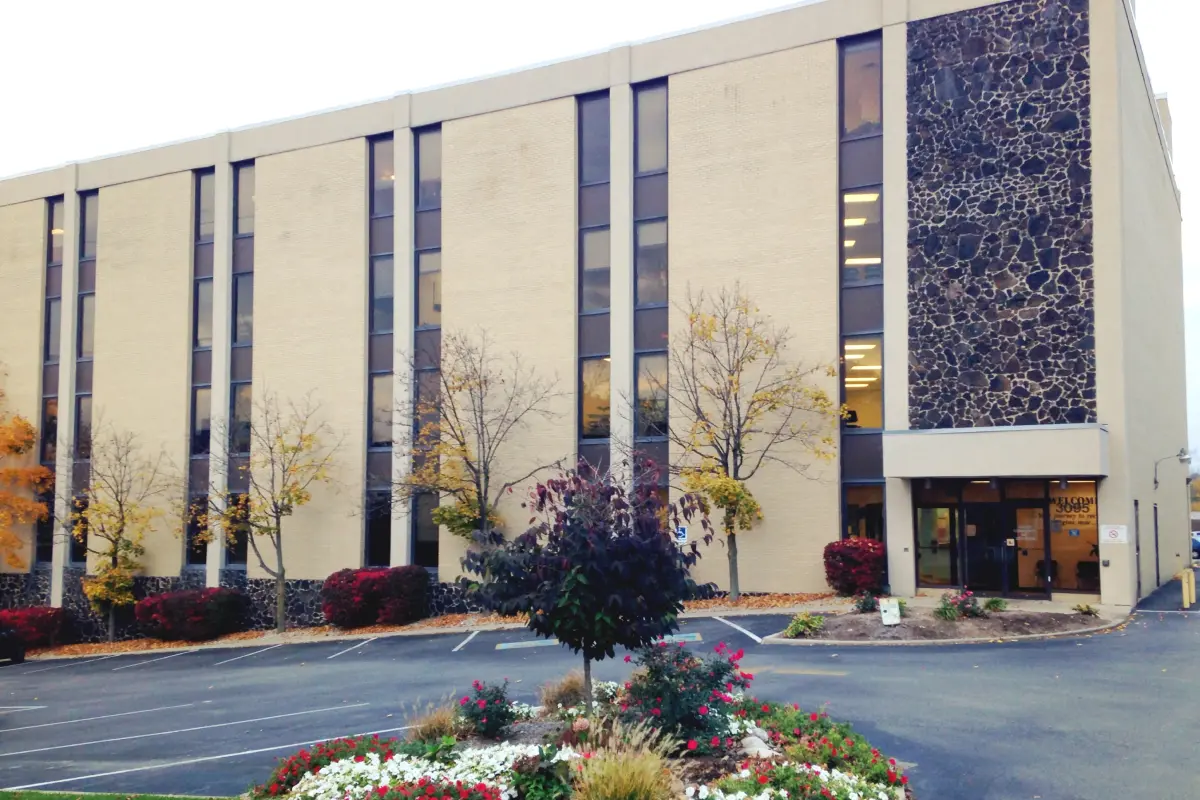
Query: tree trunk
[
  {"x": 587, "y": 686},
  {"x": 280, "y": 579},
  {"x": 112, "y": 622},
  {"x": 734, "y": 590}
]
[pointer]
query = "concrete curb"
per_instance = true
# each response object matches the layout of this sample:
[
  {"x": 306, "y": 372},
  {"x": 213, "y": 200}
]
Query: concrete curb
[{"x": 777, "y": 638}]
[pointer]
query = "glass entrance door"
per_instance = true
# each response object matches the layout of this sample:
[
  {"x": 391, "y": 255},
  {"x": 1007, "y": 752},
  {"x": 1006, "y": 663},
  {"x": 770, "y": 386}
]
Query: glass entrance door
[
  {"x": 937, "y": 556},
  {"x": 984, "y": 546},
  {"x": 1033, "y": 572}
]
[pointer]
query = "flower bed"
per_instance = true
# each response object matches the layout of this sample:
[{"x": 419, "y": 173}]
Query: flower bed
[{"x": 679, "y": 717}]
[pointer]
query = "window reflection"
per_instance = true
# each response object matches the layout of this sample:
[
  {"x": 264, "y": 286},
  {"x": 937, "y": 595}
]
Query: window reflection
[
  {"x": 651, "y": 131},
  {"x": 243, "y": 309},
  {"x": 652, "y": 396},
  {"x": 206, "y": 204},
  {"x": 239, "y": 424},
  {"x": 651, "y": 263},
  {"x": 201, "y": 421},
  {"x": 382, "y": 293},
  {"x": 862, "y": 92},
  {"x": 381, "y": 410},
  {"x": 383, "y": 177},
  {"x": 244, "y": 200},
  {"x": 595, "y": 398},
  {"x": 595, "y": 276},
  {"x": 429, "y": 169},
  {"x": 862, "y": 516},
  {"x": 594, "y": 140}
]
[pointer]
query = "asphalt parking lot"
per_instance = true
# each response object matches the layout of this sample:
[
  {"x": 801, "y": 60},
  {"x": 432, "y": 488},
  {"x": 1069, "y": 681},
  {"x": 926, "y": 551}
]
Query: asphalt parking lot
[{"x": 1110, "y": 716}]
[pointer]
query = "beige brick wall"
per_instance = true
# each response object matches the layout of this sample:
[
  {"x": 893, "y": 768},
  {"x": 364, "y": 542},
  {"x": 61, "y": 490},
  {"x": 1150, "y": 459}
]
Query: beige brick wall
[
  {"x": 753, "y": 166},
  {"x": 310, "y": 300},
  {"x": 22, "y": 265},
  {"x": 143, "y": 302},
  {"x": 508, "y": 234}
]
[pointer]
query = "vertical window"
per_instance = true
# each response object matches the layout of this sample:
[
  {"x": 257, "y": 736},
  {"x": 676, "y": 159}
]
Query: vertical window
[
  {"x": 241, "y": 407},
  {"x": 87, "y": 325},
  {"x": 243, "y": 309},
  {"x": 379, "y": 529},
  {"x": 203, "y": 236},
  {"x": 595, "y": 394},
  {"x": 237, "y": 546},
  {"x": 594, "y": 143},
  {"x": 862, "y": 88},
  {"x": 202, "y": 335},
  {"x": 427, "y": 321},
  {"x": 244, "y": 201},
  {"x": 201, "y": 420},
  {"x": 53, "y": 330},
  {"x": 381, "y": 410},
  {"x": 89, "y": 230},
  {"x": 860, "y": 249},
  {"x": 381, "y": 303},
  {"x": 51, "y": 353},
  {"x": 83, "y": 427},
  {"x": 650, "y": 273},
  {"x": 77, "y": 551}
]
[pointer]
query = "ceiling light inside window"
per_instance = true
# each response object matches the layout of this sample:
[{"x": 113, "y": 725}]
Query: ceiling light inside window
[
  {"x": 861, "y": 197},
  {"x": 849, "y": 243},
  {"x": 858, "y": 262},
  {"x": 860, "y": 347},
  {"x": 855, "y": 222}
]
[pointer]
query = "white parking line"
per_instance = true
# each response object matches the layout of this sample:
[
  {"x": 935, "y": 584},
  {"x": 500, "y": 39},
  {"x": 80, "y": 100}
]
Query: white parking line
[
  {"x": 152, "y": 660},
  {"x": 185, "y": 762},
  {"x": 737, "y": 627},
  {"x": 463, "y": 643},
  {"x": 91, "y": 719},
  {"x": 72, "y": 664},
  {"x": 182, "y": 730},
  {"x": 247, "y": 655},
  {"x": 348, "y": 649}
]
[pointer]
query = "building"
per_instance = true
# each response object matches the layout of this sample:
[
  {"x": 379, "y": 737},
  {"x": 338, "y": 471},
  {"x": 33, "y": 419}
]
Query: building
[{"x": 968, "y": 205}]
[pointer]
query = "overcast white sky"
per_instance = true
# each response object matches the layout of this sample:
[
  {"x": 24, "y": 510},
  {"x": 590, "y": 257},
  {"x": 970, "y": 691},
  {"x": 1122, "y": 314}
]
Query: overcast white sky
[{"x": 83, "y": 78}]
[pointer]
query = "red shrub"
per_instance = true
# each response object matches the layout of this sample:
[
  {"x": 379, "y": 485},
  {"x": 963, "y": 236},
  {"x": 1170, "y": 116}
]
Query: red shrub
[
  {"x": 39, "y": 626},
  {"x": 193, "y": 615},
  {"x": 855, "y": 565},
  {"x": 352, "y": 598}
]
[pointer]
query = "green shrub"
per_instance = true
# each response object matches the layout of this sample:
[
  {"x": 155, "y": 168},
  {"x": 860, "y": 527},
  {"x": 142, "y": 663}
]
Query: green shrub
[
  {"x": 803, "y": 625},
  {"x": 953, "y": 607},
  {"x": 487, "y": 709},
  {"x": 540, "y": 777},
  {"x": 865, "y": 602},
  {"x": 903, "y": 606},
  {"x": 995, "y": 604},
  {"x": 1086, "y": 610}
]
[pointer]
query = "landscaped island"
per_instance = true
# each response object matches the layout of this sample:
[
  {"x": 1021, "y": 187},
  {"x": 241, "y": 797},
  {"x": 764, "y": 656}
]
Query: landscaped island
[{"x": 682, "y": 726}]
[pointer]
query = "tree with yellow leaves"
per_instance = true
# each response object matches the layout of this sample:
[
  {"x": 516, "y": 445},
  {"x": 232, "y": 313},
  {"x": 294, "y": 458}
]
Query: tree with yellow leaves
[
  {"x": 22, "y": 479},
  {"x": 737, "y": 402},
  {"x": 126, "y": 492},
  {"x": 291, "y": 452},
  {"x": 464, "y": 416}
]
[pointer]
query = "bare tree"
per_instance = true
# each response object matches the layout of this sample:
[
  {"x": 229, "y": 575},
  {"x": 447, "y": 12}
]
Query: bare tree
[
  {"x": 126, "y": 492},
  {"x": 285, "y": 451},
  {"x": 737, "y": 402},
  {"x": 464, "y": 415}
]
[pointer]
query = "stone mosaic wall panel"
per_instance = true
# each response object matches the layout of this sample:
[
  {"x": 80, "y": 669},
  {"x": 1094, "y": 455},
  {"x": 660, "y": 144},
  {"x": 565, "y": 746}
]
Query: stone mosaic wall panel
[
  {"x": 25, "y": 589},
  {"x": 1001, "y": 328}
]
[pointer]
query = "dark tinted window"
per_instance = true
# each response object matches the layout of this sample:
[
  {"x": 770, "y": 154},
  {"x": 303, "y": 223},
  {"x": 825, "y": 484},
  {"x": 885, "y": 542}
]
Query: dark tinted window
[
  {"x": 429, "y": 289},
  {"x": 203, "y": 336},
  {"x": 77, "y": 549},
  {"x": 425, "y": 542},
  {"x": 382, "y": 292},
  {"x": 237, "y": 547},
  {"x": 383, "y": 177},
  {"x": 201, "y": 420},
  {"x": 87, "y": 325},
  {"x": 243, "y": 182},
  {"x": 650, "y": 262},
  {"x": 83, "y": 427},
  {"x": 596, "y": 253},
  {"x": 49, "y": 430},
  {"x": 650, "y": 131},
  {"x": 53, "y": 330},
  {"x": 379, "y": 529},
  {"x": 241, "y": 407},
  {"x": 57, "y": 215},
  {"x": 243, "y": 309},
  {"x": 381, "y": 410},
  {"x": 429, "y": 169},
  {"x": 593, "y": 139},
  {"x": 89, "y": 222},
  {"x": 206, "y": 206},
  {"x": 196, "y": 548}
]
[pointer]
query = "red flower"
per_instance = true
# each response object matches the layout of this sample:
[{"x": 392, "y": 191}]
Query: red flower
[
  {"x": 482, "y": 704},
  {"x": 766, "y": 708},
  {"x": 628, "y": 659},
  {"x": 813, "y": 716},
  {"x": 762, "y": 779},
  {"x": 903, "y": 780},
  {"x": 655, "y": 711},
  {"x": 691, "y": 745},
  {"x": 716, "y": 741},
  {"x": 702, "y": 710}
]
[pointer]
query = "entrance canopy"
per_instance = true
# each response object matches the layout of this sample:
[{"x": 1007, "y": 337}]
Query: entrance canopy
[{"x": 1002, "y": 452}]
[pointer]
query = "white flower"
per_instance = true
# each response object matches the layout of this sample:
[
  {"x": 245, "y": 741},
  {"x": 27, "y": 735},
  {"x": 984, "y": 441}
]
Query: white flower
[{"x": 691, "y": 791}]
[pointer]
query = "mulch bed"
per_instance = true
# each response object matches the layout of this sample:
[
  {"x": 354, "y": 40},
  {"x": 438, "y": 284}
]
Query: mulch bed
[
  {"x": 755, "y": 602},
  {"x": 920, "y": 624}
]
